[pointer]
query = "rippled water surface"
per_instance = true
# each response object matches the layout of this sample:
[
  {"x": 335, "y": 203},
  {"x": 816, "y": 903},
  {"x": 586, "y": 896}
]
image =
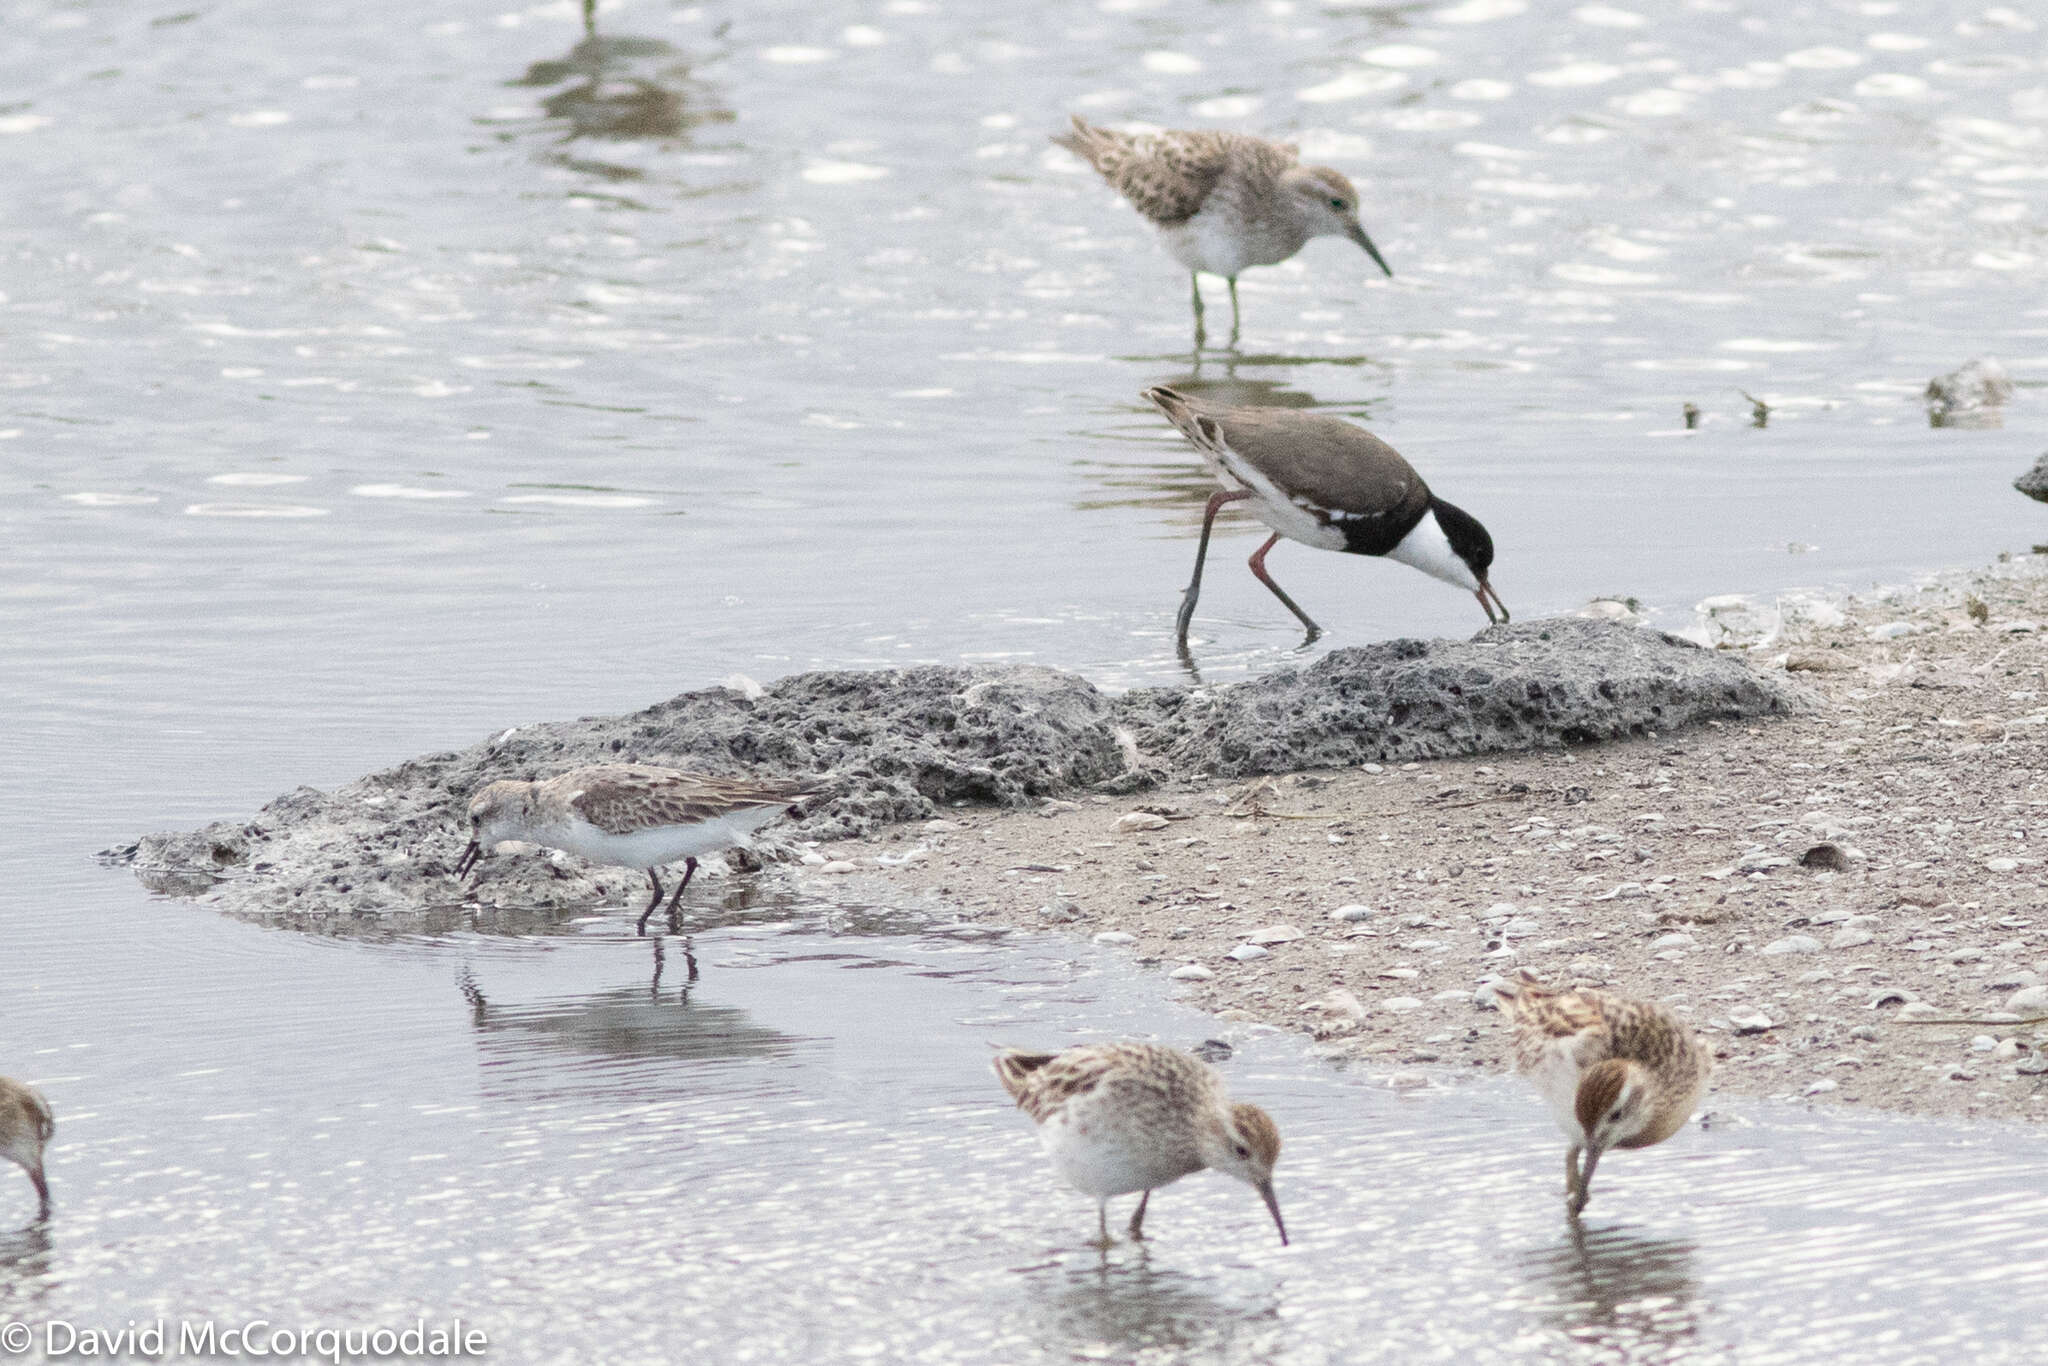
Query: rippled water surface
[{"x": 379, "y": 375}]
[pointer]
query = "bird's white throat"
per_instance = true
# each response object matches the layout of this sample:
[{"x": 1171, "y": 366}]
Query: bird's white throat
[{"x": 1428, "y": 549}]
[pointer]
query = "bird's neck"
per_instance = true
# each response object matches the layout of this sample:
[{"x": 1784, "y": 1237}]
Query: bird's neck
[{"x": 1427, "y": 548}]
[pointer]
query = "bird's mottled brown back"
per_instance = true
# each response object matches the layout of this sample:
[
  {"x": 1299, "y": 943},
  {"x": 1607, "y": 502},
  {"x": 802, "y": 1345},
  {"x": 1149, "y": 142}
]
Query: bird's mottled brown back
[
  {"x": 1600, "y": 1026},
  {"x": 1041, "y": 1083},
  {"x": 622, "y": 798},
  {"x": 1167, "y": 176}
]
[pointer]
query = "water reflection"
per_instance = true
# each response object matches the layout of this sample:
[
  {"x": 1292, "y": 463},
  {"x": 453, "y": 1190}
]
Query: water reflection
[
  {"x": 1122, "y": 1307},
  {"x": 1619, "y": 1289},
  {"x": 620, "y": 88},
  {"x": 522, "y": 1045}
]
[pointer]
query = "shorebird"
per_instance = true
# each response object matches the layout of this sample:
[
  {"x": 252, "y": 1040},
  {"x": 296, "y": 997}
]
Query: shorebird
[
  {"x": 1222, "y": 202},
  {"x": 629, "y": 815},
  {"x": 1326, "y": 483},
  {"x": 1122, "y": 1117},
  {"x": 1617, "y": 1072},
  {"x": 25, "y": 1126}
]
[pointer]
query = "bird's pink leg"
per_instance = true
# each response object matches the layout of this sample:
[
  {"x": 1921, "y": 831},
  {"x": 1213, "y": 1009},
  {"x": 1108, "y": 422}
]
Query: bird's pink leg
[
  {"x": 1258, "y": 564},
  {"x": 1194, "y": 589}
]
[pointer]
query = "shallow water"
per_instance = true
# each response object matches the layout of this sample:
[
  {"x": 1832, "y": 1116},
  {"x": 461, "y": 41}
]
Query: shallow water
[
  {"x": 566, "y": 1141},
  {"x": 379, "y": 377}
]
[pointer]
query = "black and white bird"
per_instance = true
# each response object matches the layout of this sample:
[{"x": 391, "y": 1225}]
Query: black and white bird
[{"x": 1326, "y": 483}]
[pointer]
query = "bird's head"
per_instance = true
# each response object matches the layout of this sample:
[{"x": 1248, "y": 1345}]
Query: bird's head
[
  {"x": 1329, "y": 205},
  {"x": 495, "y": 812},
  {"x": 1247, "y": 1146},
  {"x": 1474, "y": 547},
  {"x": 1613, "y": 1104}
]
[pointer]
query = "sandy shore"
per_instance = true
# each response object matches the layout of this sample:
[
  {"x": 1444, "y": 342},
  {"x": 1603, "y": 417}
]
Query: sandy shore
[{"x": 1365, "y": 905}]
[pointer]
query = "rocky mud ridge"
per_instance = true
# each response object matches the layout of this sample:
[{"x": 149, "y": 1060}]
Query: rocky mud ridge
[{"x": 900, "y": 745}]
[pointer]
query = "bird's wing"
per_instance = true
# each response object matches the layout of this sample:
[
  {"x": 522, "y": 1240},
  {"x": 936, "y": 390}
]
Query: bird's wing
[
  {"x": 622, "y": 798},
  {"x": 1327, "y": 465},
  {"x": 1166, "y": 176}
]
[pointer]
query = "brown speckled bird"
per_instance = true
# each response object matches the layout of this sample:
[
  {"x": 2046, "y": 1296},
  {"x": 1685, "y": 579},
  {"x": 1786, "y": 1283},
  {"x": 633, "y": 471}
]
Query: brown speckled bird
[
  {"x": 1617, "y": 1072},
  {"x": 1122, "y": 1117},
  {"x": 1222, "y": 202},
  {"x": 25, "y": 1127},
  {"x": 629, "y": 815}
]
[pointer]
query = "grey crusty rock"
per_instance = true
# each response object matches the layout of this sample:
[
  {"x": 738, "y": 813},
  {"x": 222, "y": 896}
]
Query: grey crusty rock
[
  {"x": 898, "y": 744},
  {"x": 2034, "y": 483},
  {"x": 1540, "y": 684}
]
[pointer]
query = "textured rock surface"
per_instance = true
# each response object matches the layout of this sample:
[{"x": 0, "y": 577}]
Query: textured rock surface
[
  {"x": 896, "y": 744},
  {"x": 2034, "y": 483},
  {"x": 1541, "y": 684}
]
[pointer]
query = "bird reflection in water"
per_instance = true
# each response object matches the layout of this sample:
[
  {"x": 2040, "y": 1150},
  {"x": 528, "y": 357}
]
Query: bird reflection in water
[
  {"x": 1121, "y": 1308},
  {"x": 1618, "y": 1288},
  {"x": 619, "y": 89}
]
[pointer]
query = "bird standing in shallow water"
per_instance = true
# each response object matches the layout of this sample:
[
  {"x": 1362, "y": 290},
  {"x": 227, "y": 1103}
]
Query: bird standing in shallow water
[
  {"x": 1222, "y": 202},
  {"x": 25, "y": 1126},
  {"x": 1618, "y": 1072},
  {"x": 629, "y": 815},
  {"x": 1326, "y": 483},
  {"x": 1117, "y": 1118}
]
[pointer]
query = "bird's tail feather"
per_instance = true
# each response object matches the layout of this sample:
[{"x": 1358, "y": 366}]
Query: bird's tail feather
[{"x": 1014, "y": 1066}]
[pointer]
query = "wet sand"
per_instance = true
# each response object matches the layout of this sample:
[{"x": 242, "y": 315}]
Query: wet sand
[{"x": 1366, "y": 905}]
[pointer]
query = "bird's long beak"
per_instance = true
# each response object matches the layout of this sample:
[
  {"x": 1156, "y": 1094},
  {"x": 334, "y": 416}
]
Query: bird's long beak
[
  {"x": 1585, "y": 1181},
  {"x": 1485, "y": 592},
  {"x": 1357, "y": 234},
  {"x": 42, "y": 1185},
  {"x": 471, "y": 856},
  {"x": 1265, "y": 1189}
]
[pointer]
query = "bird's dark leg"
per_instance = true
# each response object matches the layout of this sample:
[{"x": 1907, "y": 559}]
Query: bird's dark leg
[
  {"x": 1233, "y": 312},
  {"x": 1138, "y": 1219},
  {"x": 675, "y": 915},
  {"x": 1194, "y": 588},
  {"x": 1258, "y": 564},
  {"x": 654, "y": 882},
  {"x": 1201, "y": 333}
]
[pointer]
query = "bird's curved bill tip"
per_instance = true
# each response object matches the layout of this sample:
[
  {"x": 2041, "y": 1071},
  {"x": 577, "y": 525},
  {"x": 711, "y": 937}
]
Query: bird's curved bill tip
[
  {"x": 1357, "y": 234},
  {"x": 1489, "y": 600},
  {"x": 1273, "y": 1204}
]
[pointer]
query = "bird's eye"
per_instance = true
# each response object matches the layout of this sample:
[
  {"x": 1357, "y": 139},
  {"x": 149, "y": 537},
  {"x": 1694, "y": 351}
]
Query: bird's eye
[
  {"x": 1244, "y": 1152},
  {"x": 1337, "y": 204}
]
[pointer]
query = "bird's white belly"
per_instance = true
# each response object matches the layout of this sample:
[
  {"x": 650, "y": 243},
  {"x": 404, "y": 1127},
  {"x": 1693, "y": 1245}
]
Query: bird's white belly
[
  {"x": 661, "y": 844},
  {"x": 1222, "y": 243},
  {"x": 1273, "y": 507},
  {"x": 1100, "y": 1160}
]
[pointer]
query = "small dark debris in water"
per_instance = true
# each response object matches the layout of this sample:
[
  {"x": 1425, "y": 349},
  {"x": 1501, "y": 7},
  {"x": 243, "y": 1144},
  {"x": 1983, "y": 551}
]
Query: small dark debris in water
[
  {"x": 2034, "y": 483},
  {"x": 1692, "y": 416},
  {"x": 1976, "y": 609},
  {"x": 1970, "y": 396},
  {"x": 1213, "y": 1050},
  {"x": 1759, "y": 411},
  {"x": 1826, "y": 854}
]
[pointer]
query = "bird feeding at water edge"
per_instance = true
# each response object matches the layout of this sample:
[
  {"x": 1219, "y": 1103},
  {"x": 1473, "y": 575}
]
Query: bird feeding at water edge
[
  {"x": 1222, "y": 202},
  {"x": 25, "y": 1127},
  {"x": 1124, "y": 1118},
  {"x": 1326, "y": 483},
  {"x": 1617, "y": 1072},
  {"x": 630, "y": 816}
]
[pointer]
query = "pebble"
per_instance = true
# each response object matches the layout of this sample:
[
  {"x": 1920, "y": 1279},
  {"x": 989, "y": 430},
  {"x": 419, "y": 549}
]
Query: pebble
[
  {"x": 1673, "y": 941},
  {"x": 1401, "y": 974},
  {"x": 1826, "y": 854},
  {"x": 1983, "y": 1043},
  {"x": 1520, "y": 928},
  {"x": 1248, "y": 953},
  {"x": 1408, "y": 1081},
  {"x": 1750, "y": 1021},
  {"x": 1892, "y": 630},
  {"x": 1792, "y": 943},
  {"x": 1372, "y": 768},
  {"x": 839, "y": 865},
  {"x": 1850, "y": 938},
  {"x": 1919, "y": 1010},
  {"x": 1273, "y": 934},
  {"x": 812, "y": 859},
  {"x": 1192, "y": 972},
  {"x": 1352, "y": 914},
  {"x": 1115, "y": 937},
  {"x": 1864, "y": 1033},
  {"x": 1401, "y": 1003},
  {"x": 1821, "y": 1087},
  {"x": 2034, "y": 1064},
  {"x": 1139, "y": 820},
  {"x": 1340, "y": 1003},
  {"x": 1060, "y": 912},
  {"x": 2028, "y": 1001},
  {"x": 2002, "y": 865}
]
